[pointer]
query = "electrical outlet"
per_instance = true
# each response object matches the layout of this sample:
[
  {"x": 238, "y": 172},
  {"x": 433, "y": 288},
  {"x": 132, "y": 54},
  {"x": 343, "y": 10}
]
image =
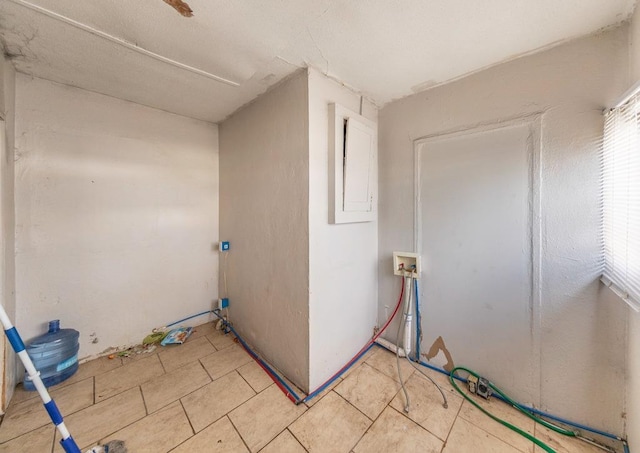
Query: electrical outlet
[
  {"x": 406, "y": 264},
  {"x": 472, "y": 381},
  {"x": 223, "y": 303},
  {"x": 484, "y": 388},
  {"x": 224, "y": 246}
]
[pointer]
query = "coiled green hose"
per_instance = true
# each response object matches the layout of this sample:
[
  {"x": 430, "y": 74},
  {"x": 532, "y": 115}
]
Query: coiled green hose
[{"x": 535, "y": 418}]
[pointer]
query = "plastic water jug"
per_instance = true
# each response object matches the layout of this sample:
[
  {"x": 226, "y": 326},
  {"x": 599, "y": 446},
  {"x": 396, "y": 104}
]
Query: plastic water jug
[{"x": 54, "y": 354}]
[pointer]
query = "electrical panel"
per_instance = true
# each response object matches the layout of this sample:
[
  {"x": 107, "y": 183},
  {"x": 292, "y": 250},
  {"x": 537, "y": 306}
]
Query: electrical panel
[{"x": 353, "y": 171}]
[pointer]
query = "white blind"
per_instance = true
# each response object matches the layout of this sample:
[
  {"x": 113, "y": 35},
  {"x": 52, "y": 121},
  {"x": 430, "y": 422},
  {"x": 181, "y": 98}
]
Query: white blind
[{"x": 621, "y": 200}]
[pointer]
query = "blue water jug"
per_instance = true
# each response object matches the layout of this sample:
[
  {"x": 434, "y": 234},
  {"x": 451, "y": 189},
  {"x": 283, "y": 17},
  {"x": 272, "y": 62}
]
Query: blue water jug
[{"x": 54, "y": 354}]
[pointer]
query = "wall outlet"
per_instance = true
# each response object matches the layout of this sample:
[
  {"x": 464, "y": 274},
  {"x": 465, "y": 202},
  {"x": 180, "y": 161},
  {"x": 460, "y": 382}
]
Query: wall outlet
[
  {"x": 224, "y": 246},
  {"x": 406, "y": 264},
  {"x": 223, "y": 303}
]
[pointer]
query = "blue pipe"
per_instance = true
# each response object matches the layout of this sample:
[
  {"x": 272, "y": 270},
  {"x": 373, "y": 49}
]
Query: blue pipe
[
  {"x": 336, "y": 376},
  {"x": 275, "y": 375},
  {"x": 190, "y": 317},
  {"x": 418, "y": 323},
  {"x": 256, "y": 357},
  {"x": 534, "y": 410},
  {"x": 425, "y": 364}
]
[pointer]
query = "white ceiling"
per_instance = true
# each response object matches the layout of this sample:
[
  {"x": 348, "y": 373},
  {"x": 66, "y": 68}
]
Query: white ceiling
[{"x": 386, "y": 49}]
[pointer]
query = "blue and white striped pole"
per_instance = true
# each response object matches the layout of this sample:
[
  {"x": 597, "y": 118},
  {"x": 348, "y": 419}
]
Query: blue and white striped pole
[{"x": 67, "y": 441}]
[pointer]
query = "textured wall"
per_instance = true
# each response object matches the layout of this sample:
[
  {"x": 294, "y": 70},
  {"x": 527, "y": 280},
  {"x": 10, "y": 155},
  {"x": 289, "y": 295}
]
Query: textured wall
[
  {"x": 116, "y": 215},
  {"x": 7, "y": 228},
  {"x": 264, "y": 212},
  {"x": 342, "y": 258},
  {"x": 633, "y": 348},
  {"x": 576, "y": 331}
]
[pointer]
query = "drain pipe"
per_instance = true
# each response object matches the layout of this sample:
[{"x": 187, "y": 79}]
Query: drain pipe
[
  {"x": 408, "y": 316},
  {"x": 391, "y": 347}
]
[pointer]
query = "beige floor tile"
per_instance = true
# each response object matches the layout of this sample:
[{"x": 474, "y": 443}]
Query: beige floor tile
[
  {"x": 505, "y": 412},
  {"x": 85, "y": 370},
  {"x": 221, "y": 340},
  {"x": 221, "y": 437},
  {"x": 174, "y": 356},
  {"x": 20, "y": 394},
  {"x": 159, "y": 432},
  {"x": 284, "y": 443},
  {"x": 203, "y": 330},
  {"x": 264, "y": 416},
  {"x": 466, "y": 437},
  {"x": 220, "y": 363},
  {"x": 426, "y": 406},
  {"x": 257, "y": 378},
  {"x": 125, "y": 377},
  {"x": 385, "y": 362},
  {"x": 141, "y": 354},
  {"x": 332, "y": 425},
  {"x": 37, "y": 441},
  {"x": 94, "y": 368},
  {"x": 172, "y": 386},
  {"x": 562, "y": 444},
  {"x": 369, "y": 390},
  {"x": 100, "y": 420},
  {"x": 443, "y": 380},
  {"x": 208, "y": 404},
  {"x": 362, "y": 360},
  {"x": 395, "y": 432},
  {"x": 30, "y": 414},
  {"x": 316, "y": 399}
]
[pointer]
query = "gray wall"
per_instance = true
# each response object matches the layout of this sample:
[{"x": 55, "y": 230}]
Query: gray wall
[
  {"x": 264, "y": 212},
  {"x": 577, "y": 330}
]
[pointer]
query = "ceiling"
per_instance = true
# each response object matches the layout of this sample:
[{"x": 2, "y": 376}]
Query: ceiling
[{"x": 385, "y": 49}]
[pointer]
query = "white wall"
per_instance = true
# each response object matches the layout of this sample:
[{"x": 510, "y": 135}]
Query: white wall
[
  {"x": 475, "y": 229},
  {"x": 577, "y": 332},
  {"x": 264, "y": 212},
  {"x": 116, "y": 215},
  {"x": 7, "y": 230},
  {"x": 633, "y": 347},
  {"x": 342, "y": 258}
]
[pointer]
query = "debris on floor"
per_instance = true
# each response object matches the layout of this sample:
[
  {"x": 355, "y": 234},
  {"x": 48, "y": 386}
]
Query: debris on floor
[
  {"x": 177, "y": 336},
  {"x": 134, "y": 350},
  {"x": 158, "y": 336},
  {"x": 114, "y": 446},
  {"x": 155, "y": 337}
]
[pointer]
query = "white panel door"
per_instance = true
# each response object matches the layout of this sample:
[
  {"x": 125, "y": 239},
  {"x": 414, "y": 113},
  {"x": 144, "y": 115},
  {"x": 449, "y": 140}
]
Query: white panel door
[
  {"x": 475, "y": 231},
  {"x": 358, "y": 166}
]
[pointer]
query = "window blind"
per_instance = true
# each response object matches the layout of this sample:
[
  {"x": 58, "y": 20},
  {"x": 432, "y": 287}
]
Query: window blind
[{"x": 621, "y": 200}]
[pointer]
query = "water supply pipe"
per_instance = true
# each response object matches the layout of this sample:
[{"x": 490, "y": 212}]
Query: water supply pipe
[{"x": 418, "y": 322}]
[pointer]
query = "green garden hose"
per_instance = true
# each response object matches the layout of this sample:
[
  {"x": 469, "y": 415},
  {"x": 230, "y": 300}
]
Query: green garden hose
[{"x": 535, "y": 418}]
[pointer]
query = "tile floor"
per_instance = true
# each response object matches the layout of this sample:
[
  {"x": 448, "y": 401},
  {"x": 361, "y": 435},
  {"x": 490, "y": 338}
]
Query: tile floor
[{"x": 209, "y": 396}]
